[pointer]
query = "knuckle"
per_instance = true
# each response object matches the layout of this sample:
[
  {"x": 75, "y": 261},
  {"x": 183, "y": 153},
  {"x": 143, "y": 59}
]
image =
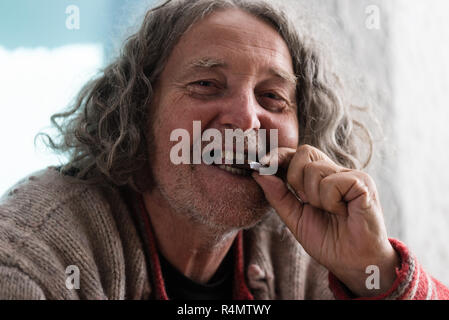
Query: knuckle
[
  {"x": 305, "y": 148},
  {"x": 326, "y": 181},
  {"x": 310, "y": 166},
  {"x": 361, "y": 185},
  {"x": 364, "y": 177}
]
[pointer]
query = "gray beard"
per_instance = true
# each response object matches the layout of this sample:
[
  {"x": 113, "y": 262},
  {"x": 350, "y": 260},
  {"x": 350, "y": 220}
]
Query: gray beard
[{"x": 213, "y": 215}]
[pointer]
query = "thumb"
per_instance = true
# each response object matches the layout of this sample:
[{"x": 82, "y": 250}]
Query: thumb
[{"x": 281, "y": 199}]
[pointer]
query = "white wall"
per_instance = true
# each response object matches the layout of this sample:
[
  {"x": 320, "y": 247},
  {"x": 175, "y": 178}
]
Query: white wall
[
  {"x": 420, "y": 55},
  {"x": 402, "y": 71}
]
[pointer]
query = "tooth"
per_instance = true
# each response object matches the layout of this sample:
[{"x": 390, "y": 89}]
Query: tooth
[
  {"x": 240, "y": 157},
  {"x": 229, "y": 156},
  {"x": 233, "y": 170}
]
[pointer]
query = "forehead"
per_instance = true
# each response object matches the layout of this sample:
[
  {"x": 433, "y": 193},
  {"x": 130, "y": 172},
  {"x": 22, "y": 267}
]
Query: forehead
[{"x": 235, "y": 37}]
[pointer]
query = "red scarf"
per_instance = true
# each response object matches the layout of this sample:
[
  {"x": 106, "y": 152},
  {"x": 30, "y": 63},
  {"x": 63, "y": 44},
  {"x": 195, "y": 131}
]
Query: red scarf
[{"x": 240, "y": 288}]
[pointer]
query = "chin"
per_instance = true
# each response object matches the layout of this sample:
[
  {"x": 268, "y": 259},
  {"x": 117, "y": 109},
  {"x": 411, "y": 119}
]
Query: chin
[
  {"x": 216, "y": 199},
  {"x": 227, "y": 201},
  {"x": 232, "y": 214}
]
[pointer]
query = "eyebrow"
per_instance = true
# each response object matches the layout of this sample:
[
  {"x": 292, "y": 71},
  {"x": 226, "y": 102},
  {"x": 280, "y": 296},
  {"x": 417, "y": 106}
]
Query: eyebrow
[
  {"x": 210, "y": 63},
  {"x": 287, "y": 76},
  {"x": 207, "y": 63},
  {"x": 204, "y": 63}
]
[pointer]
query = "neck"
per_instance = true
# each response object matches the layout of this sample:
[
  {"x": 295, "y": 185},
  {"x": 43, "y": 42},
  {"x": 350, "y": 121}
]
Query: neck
[{"x": 193, "y": 248}]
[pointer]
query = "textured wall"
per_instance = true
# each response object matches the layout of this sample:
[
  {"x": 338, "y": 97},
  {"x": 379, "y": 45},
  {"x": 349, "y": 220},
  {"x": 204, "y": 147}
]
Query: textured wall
[
  {"x": 420, "y": 53},
  {"x": 401, "y": 70}
]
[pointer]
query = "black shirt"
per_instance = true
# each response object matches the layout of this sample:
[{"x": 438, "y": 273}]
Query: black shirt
[{"x": 179, "y": 287}]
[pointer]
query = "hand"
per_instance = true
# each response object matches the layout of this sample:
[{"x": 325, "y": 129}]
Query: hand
[{"x": 340, "y": 224}]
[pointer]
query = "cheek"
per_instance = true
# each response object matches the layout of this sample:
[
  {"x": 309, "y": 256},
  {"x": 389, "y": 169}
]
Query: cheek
[
  {"x": 177, "y": 114},
  {"x": 179, "y": 111},
  {"x": 288, "y": 131}
]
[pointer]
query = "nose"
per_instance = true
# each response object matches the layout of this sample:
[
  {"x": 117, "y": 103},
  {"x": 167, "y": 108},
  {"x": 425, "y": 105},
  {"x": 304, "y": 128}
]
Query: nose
[{"x": 241, "y": 112}]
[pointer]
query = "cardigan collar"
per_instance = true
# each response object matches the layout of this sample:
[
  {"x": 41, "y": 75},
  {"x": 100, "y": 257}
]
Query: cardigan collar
[{"x": 240, "y": 287}]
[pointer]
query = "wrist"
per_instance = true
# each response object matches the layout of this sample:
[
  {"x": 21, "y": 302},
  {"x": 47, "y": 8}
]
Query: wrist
[{"x": 372, "y": 279}]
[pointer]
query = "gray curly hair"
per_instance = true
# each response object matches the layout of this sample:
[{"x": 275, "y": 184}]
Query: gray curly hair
[{"x": 106, "y": 132}]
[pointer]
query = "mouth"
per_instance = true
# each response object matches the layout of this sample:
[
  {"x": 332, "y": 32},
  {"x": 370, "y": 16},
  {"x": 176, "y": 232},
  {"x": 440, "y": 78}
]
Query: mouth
[
  {"x": 239, "y": 170},
  {"x": 233, "y": 163}
]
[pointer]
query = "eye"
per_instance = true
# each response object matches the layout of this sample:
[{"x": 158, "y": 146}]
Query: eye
[
  {"x": 272, "y": 101},
  {"x": 204, "y": 83},
  {"x": 204, "y": 88},
  {"x": 272, "y": 96}
]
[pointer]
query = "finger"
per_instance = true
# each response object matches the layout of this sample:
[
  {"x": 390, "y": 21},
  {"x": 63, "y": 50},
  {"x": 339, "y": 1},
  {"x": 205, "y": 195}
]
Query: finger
[
  {"x": 281, "y": 199},
  {"x": 339, "y": 190},
  {"x": 304, "y": 155},
  {"x": 280, "y": 157},
  {"x": 314, "y": 173}
]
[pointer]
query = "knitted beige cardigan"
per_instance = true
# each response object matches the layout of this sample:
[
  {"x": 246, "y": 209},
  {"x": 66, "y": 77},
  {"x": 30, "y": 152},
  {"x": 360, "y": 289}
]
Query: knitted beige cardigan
[{"x": 48, "y": 222}]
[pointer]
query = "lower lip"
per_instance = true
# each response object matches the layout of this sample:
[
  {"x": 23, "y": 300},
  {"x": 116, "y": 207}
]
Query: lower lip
[
  {"x": 237, "y": 172},
  {"x": 234, "y": 171}
]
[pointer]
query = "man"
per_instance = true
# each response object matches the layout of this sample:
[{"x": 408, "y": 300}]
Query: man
[{"x": 132, "y": 224}]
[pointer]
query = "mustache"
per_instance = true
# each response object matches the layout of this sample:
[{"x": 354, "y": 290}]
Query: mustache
[
  {"x": 237, "y": 145},
  {"x": 207, "y": 146},
  {"x": 235, "y": 153}
]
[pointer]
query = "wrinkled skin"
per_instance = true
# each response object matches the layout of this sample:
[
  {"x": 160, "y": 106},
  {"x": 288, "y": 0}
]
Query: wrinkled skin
[
  {"x": 229, "y": 71},
  {"x": 340, "y": 222}
]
